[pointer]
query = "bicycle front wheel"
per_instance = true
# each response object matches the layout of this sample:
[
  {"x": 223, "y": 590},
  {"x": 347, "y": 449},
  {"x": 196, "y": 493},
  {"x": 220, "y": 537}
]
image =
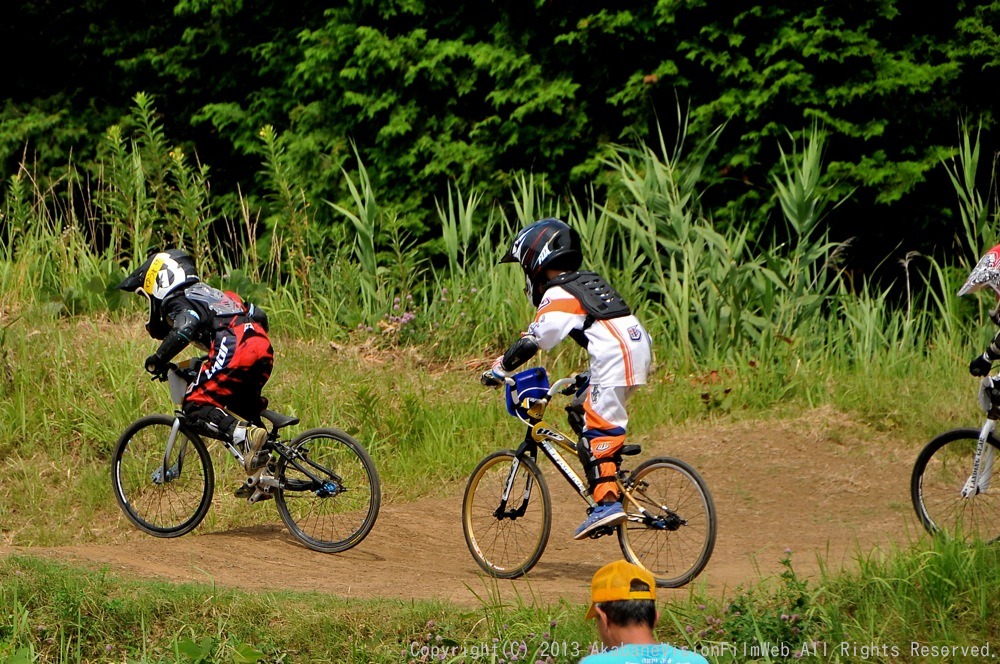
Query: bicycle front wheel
[
  {"x": 329, "y": 494},
  {"x": 940, "y": 473},
  {"x": 506, "y": 536},
  {"x": 164, "y": 493},
  {"x": 674, "y": 536}
]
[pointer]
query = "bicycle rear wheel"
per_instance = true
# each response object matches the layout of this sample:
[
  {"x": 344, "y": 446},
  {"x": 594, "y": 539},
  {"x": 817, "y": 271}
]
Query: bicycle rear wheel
[
  {"x": 675, "y": 539},
  {"x": 939, "y": 475},
  {"x": 329, "y": 494},
  {"x": 506, "y": 538},
  {"x": 163, "y": 495}
]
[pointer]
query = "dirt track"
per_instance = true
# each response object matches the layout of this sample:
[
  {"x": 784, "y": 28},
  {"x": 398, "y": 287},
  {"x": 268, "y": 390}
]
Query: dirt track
[{"x": 816, "y": 485}]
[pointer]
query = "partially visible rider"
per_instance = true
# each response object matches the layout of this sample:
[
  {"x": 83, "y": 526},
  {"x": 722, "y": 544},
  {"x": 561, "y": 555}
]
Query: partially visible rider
[
  {"x": 583, "y": 306},
  {"x": 986, "y": 274},
  {"x": 184, "y": 310}
]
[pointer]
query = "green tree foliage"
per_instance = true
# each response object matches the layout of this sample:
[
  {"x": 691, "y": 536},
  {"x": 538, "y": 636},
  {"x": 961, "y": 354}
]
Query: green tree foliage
[
  {"x": 888, "y": 79},
  {"x": 437, "y": 95},
  {"x": 475, "y": 96}
]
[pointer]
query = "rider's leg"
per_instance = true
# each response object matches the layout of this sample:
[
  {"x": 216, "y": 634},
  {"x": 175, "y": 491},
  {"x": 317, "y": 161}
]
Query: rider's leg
[
  {"x": 605, "y": 421},
  {"x": 238, "y": 365}
]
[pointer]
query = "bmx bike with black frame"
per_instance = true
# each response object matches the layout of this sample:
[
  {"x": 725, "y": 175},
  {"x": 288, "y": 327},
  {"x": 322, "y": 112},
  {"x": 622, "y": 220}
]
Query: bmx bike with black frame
[{"x": 324, "y": 483}]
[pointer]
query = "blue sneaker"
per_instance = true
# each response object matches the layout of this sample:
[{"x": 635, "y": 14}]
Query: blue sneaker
[{"x": 603, "y": 515}]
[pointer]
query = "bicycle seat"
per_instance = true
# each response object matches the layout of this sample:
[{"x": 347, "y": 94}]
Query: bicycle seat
[
  {"x": 277, "y": 419},
  {"x": 629, "y": 450}
]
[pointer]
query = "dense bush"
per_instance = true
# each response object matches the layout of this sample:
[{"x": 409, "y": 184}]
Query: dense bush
[{"x": 476, "y": 97}]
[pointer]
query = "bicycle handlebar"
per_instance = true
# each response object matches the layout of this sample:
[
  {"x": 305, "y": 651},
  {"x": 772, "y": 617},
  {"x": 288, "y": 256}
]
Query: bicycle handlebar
[
  {"x": 556, "y": 387},
  {"x": 560, "y": 384},
  {"x": 185, "y": 371}
]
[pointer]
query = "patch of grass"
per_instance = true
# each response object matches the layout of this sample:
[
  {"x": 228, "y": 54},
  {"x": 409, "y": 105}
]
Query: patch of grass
[
  {"x": 53, "y": 612},
  {"x": 75, "y": 384},
  {"x": 905, "y": 604},
  {"x": 926, "y": 602}
]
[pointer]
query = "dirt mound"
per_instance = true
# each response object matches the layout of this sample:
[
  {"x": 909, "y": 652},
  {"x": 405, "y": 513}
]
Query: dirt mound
[{"x": 818, "y": 485}]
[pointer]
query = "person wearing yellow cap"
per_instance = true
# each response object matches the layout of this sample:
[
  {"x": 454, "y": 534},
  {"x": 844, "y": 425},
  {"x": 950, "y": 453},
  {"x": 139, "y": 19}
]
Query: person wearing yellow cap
[{"x": 623, "y": 604}]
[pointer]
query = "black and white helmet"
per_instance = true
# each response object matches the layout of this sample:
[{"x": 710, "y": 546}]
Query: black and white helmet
[
  {"x": 159, "y": 275},
  {"x": 544, "y": 245}
]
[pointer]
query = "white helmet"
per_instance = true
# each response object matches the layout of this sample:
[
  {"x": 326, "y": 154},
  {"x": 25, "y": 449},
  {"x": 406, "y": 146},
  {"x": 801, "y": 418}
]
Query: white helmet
[{"x": 985, "y": 274}]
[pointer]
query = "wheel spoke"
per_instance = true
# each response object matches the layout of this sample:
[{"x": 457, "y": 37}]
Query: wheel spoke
[
  {"x": 336, "y": 519},
  {"x": 676, "y": 536},
  {"x": 506, "y": 546}
]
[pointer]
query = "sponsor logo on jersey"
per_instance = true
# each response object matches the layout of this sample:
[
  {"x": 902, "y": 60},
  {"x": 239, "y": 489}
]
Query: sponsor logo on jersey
[
  {"x": 603, "y": 446},
  {"x": 220, "y": 360}
]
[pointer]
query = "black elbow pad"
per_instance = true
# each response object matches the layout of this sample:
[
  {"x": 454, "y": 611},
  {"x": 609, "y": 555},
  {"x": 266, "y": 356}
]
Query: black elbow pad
[{"x": 520, "y": 352}]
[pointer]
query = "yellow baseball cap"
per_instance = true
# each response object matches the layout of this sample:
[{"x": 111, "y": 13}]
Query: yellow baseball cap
[{"x": 620, "y": 580}]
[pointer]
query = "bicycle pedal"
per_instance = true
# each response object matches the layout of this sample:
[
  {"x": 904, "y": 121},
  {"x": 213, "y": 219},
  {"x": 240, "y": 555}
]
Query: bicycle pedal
[
  {"x": 259, "y": 497},
  {"x": 601, "y": 532},
  {"x": 245, "y": 491}
]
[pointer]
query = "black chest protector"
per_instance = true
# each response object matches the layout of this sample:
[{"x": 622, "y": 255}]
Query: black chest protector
[
  {"x": 196, "y": 313},
  {"x": 215, "y": 301},
  {"x": 596, "y": 296}
]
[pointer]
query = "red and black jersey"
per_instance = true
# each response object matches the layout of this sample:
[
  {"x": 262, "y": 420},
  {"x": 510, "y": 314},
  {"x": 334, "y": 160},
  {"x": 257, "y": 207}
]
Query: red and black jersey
[{"x": 235, "y": 336}]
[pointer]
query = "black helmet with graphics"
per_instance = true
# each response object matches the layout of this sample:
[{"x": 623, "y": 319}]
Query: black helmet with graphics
[
  {"x": 160, "y": 274},
  {"x": 549, "y": 244}
]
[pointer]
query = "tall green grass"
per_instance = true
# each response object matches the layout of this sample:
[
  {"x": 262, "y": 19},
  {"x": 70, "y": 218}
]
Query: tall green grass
[{"x": 711, "y": 297}]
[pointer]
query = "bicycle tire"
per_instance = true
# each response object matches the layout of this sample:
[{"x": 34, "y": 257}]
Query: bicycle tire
[
  {"x": 676, "y": 546},
  {"x": 168, "y": 508},
  {"x": 506, "y": 547},
  {"x": 940, "y": 473},
  {"x": 339, "y": 513}
]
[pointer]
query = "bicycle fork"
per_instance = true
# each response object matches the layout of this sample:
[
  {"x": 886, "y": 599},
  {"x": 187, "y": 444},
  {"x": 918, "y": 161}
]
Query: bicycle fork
[
  {"x": 982, "y": 467},
  {"x": 501, "y": 511},
  {"x": 163, "y": 474}
]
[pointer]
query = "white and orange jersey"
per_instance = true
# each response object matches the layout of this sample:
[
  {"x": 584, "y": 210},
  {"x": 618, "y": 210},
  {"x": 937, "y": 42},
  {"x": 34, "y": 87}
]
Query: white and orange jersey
[{"x": 620, "y": 349}]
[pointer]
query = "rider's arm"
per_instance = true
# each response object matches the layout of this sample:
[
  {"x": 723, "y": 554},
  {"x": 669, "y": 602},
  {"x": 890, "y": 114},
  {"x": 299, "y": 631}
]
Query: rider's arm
[
  {"x": 981, "y": 364},
  {"x": 558, "y": 315},
  {"x": 519, "y": 352},
  {"x": 993, "y": 350},
  {"x": 185, "y": 320}
]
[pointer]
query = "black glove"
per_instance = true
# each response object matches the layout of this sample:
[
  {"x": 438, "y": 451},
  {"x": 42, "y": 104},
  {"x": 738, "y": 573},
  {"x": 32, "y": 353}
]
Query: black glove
[
  {"x": 156, "y": 365},
  {"x": 489, "y": 379},
  {"x": 580, "y": 383},
  {"x": 981, "y": 365}
]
